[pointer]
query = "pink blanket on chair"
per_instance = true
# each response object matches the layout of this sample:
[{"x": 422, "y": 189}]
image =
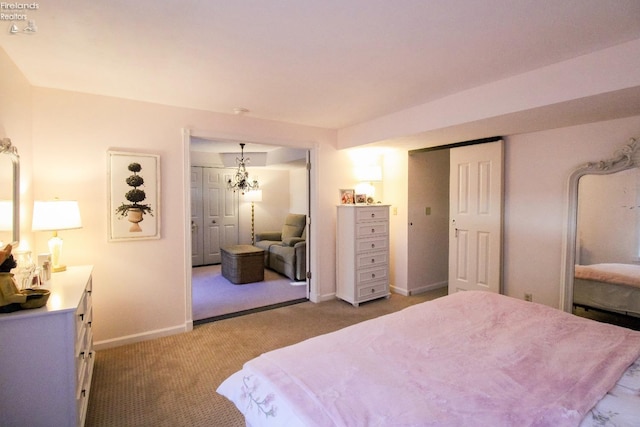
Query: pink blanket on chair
[{"x": 471, "y": 358}]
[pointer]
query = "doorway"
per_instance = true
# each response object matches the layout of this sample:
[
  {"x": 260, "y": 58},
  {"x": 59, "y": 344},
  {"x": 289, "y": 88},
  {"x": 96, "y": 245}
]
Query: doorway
[
  {"x": 429, "y": 237},
  {"x": 229, "y": 218}
]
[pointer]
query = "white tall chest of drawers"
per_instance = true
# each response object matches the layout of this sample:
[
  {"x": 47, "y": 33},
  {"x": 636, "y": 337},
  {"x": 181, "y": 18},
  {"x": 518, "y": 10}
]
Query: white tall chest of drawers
[
  {"x": 46, "y": 356},
  {"x": 362, "y": 253}
]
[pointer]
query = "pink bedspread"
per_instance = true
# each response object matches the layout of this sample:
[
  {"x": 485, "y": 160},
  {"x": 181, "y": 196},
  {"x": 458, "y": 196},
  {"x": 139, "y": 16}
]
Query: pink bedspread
[
  {"x": 620, "y": 274},
  {"x": 472, "y": 358}
]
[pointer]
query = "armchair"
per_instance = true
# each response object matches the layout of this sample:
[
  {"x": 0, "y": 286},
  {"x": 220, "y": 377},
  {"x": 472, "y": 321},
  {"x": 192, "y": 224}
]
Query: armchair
[{"x": 285, "y": 251}]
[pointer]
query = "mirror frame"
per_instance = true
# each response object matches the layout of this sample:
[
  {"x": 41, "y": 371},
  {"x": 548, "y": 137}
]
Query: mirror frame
[
  {"x": 7, "y": 148},
  {"x": 623, "y": 159}
]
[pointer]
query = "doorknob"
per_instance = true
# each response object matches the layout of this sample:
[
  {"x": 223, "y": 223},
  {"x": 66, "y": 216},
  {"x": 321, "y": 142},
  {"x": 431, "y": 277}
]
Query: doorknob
[{"x": 213, "y": 221}]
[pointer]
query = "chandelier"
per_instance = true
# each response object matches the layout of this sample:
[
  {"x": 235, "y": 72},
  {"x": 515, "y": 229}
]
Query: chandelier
[{"x": 240, "y": 180}]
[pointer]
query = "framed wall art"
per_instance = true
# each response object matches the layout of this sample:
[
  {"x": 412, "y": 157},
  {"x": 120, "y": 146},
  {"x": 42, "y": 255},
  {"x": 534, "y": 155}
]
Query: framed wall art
[
  {"x": 347, "y": 197},
  {"x": 134, "y": 195}
]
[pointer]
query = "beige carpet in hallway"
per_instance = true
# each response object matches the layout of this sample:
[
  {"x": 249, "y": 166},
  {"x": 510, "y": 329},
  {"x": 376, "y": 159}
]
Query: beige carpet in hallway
[{"x": 171, "y": 381}]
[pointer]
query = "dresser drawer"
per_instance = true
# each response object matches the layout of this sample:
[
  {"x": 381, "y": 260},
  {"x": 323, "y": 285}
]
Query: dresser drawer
[
  {"x": 84, "y": 307},
  {"x": 372, "y": 259},
  {"x": 372, "y": 274},
  {"x": 82, "y": 397},
  {"x": 372, "y": 213},
  {"x": 372, "y": 291},
  {"x": 374, "y": 244},
  {"x": 84, "y": 348},
  {"x": 371, "y": 229}
]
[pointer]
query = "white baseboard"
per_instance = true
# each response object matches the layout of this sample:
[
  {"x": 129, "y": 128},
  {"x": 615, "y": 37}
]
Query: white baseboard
[
  {"x": 400, "y": 291},
  {"x": 130, "y": 339},
  {"x": 420, "y": 290},
  {"x": 428, "y": 288},
  {"x": 327, "y": 297}
]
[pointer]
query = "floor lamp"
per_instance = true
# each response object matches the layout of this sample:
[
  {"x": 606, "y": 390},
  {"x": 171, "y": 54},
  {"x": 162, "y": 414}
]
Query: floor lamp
[{"x": 253, "y": 196}]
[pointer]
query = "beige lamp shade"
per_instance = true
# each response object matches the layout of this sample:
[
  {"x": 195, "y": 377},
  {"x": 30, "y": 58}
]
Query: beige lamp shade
[
  {"x": 368, "y": 173},
  {"x": 55, "y": 215},
  {"x": 253, "y": 196}
]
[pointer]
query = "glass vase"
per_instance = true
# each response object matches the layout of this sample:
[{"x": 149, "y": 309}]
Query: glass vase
[{"x": 25, "y": 269}]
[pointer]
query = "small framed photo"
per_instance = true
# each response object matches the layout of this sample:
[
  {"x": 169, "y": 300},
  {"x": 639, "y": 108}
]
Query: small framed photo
[
  {"x": 361, "y": 199},
  {"x": 347, "y": 197}
]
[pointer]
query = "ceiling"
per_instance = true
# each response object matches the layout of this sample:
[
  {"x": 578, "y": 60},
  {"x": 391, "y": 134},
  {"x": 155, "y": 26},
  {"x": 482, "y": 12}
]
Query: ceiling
[
  {"x": 325, "y": 63},
  {"x": 272, "y": 156}
]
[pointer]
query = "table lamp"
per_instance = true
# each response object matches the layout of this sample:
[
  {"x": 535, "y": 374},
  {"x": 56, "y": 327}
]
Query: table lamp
[{"x": 56, "y": 215}]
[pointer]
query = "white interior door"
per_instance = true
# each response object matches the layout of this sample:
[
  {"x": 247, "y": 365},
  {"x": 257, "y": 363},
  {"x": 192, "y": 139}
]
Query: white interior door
[
  {"x": 475, "y": 239},
  {"x": 220, "y": 214},
  {"x": 214, "y": 215}
]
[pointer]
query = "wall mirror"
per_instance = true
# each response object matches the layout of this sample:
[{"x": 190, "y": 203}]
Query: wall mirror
[
  {"x": 601, "y": 266},
  {"x": 9, "y": 192}
]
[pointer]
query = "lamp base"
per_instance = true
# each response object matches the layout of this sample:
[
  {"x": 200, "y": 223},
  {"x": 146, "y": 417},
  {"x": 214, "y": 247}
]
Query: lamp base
[{"x": 58, "y": 268}]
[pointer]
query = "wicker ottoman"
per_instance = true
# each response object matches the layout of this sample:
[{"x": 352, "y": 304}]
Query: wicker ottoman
[{"x": 242, "y": 264}]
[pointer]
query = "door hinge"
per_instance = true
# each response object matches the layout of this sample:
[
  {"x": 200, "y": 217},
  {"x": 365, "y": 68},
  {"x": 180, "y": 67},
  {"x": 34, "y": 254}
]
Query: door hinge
[{"x": 308, "y": 275}]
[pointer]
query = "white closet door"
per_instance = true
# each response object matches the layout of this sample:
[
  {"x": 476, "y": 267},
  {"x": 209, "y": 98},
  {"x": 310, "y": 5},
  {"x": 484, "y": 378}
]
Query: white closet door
[
  {"x": 475, "y": 239},
  {"x": 214, "y": 214}
]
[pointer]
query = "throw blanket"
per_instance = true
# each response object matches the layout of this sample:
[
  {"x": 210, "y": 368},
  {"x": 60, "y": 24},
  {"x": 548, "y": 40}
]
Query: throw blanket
[
  {"x": 620, "y": 274},
  {"x": 471, "y": 358}
]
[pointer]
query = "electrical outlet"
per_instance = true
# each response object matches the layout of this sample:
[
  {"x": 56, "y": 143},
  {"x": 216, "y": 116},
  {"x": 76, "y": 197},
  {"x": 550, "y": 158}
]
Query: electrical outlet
[
  {"x": 528, "y": 297},
  {"x": 395, "y": 210}
]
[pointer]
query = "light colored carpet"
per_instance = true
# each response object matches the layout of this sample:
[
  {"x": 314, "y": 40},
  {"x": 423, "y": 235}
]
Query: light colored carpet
[
  {"x": 171, "y": 381},
  {"x": 213, "y": 295}
]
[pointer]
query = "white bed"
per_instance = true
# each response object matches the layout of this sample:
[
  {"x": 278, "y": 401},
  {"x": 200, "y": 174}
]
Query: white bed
[
  {"x": 608, "y": 286},
  {"x": 471, "y": 358}
]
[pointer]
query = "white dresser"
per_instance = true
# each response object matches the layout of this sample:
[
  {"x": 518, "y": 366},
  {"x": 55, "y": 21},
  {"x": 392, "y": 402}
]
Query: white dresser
[
  {"x": 46, "y": 356},
  {"x": 362, "y": 253}
]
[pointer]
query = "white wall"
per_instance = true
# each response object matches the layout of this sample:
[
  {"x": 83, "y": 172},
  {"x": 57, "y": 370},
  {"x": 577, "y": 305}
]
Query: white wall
[
  {"x": 428, "y": 234},
  {"x": 270, "y": 212},
  {"x": 396, "y": 194},
  {"x": 139, "y": 286},
  {"x": 298, "y": 191},
  {"x": 537, "y": 167}
]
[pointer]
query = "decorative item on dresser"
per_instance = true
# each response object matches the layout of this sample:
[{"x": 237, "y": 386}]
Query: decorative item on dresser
[
  {"x": 362, "y": 253},
  {"x": 46, "y": 356}
]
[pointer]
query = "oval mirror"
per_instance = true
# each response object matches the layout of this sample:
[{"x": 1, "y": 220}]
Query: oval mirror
[
  {"x": 9, "y": 193},
  {"x": 601, "y": 265}
]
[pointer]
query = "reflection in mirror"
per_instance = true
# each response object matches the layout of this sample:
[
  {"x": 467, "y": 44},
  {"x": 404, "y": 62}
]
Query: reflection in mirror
[
  {"x": 602, "y": 276},
  {"x": 608, "y": 214},
  {"x": 9, "y": 193}
]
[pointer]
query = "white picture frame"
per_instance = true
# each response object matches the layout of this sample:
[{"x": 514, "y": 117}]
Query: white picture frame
[{"x": 134, "y": 195}]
